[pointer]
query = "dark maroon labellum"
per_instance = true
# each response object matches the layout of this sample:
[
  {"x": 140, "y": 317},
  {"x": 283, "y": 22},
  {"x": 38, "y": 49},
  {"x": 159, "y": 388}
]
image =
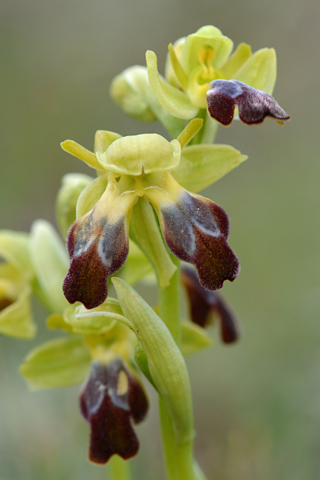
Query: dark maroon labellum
[
  {"x": 110, "y": 399},
  {"x": 196, "y": 231},
  {"x": 205, "y": 303},
  {"x": 254, "y": 105}
]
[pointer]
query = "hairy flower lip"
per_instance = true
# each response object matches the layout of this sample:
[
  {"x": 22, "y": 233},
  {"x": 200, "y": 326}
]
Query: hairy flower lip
[
  {"x": 204, "y": 303},
  {"x": 254, "y": 105},
  {"x": 110, "y": 399}
]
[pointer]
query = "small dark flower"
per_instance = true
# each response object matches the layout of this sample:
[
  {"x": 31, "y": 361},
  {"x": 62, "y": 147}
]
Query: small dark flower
[
  {"x": 109, "y": 400},
  {"x": 204, "y": 304},
  {"x": 254, "y": 105}
]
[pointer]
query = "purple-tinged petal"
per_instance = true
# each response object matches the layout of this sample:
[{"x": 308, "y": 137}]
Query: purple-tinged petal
[
  {"x": 254, "y": 105},
  {"x": 196, "y": 231},
  {"x": 109, "y": 399},
  {"x": 97, "y": 249},
  {"x": 204, "y": 303}
]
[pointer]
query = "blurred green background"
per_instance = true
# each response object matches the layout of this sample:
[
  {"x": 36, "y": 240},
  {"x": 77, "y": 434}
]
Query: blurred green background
[{"x": 257, "y": 404}]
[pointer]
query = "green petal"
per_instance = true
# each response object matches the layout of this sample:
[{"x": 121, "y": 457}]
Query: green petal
[
  {"x": 90, "y": 195},
  {"x": 165, "y": 362},
  {"x": 103, "y": 139},
  {"x": 137, "y": 154},
  {"x": 193, "y": 338},
  {"x": 237, "y": 59},
  {"x": 137, "y": 265},
  {"x": 16, "y": 319},
  {"x": 260, "y": 71},
  {"x": 145, "y": 232},
  {"x": 72, "y": 185},
  {"x": 14, "y": 249},
  {"x": 171, "y": 98},
  {"x": 80, "y": 152},
  {"x": 202, "y": 165},
  {"x": 58, "y": 363},
  {"x": 206, "y": 37},
  {"x": 191, "y": 129},
  {"x": 50, "y": 261}
]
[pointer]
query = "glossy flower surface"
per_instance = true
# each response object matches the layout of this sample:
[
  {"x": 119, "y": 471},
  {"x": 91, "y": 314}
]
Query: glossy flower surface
[{"x": 194, "y": 228}]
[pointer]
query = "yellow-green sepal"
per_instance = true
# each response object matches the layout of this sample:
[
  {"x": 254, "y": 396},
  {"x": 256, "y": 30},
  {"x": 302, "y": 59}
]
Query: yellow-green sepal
[
  {"x": 260, "y": 70},
  {"x": 90, "y": 195},
  {"x": 16, "y": 319},
  {"x": 202, "y": 165},
  {"x": 72, "y": 186},
  {"x": 193, "y": 338},
  {"x": 58, "y": 363},
  {"x": 165, "y": 361},
  {"x": 144, "y": 230},
  {"x": 173, "y": 100},
  {"x": 50, "y": 262},
  {"x": 241, "y": 54}
]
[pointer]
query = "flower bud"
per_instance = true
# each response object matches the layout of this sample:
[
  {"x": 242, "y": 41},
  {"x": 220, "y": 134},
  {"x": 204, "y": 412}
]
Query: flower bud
[{"x": 129, "y": 91}]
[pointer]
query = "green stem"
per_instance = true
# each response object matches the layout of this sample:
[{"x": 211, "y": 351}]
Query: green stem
[
  {"x": 178, "y": 456},
  {"x": 169, "y": 303},
  {"x": 119, "y": 469}
]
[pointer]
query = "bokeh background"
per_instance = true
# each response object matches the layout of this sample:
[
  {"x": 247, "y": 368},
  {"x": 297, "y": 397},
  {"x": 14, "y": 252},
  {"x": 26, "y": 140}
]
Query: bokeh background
[{"x": 257, "y": 404}]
